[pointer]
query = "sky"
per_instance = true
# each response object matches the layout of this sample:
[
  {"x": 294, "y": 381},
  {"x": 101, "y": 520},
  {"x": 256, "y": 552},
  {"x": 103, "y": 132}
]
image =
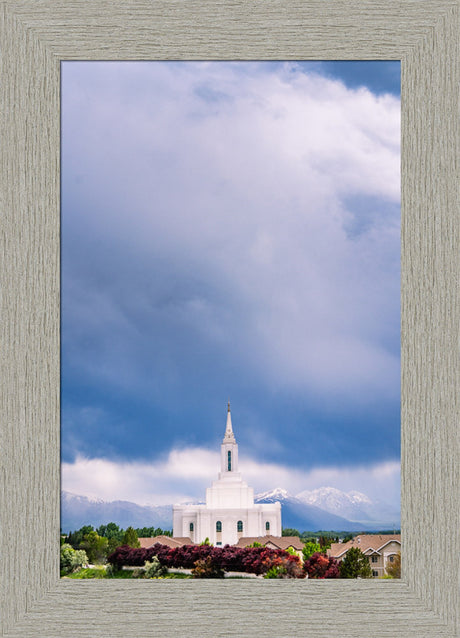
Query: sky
[{"x": 230, "y": 231}]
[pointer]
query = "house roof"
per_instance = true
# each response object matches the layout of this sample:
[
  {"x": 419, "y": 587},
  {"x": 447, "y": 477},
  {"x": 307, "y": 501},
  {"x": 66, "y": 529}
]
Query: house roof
[
  {"x": 176, "y": 541},
  {"x": 367, "y": 543},
  {"x": 280, "y": 542}
]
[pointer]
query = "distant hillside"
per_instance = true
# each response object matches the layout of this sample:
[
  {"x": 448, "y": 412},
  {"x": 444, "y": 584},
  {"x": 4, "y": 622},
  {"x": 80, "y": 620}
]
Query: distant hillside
[
  {"x": 323, "y": 509},
  {"x": 77, "y": 511}
]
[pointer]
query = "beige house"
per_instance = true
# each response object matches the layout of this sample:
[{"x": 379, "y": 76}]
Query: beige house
[
  {"x": 381, "y": 550},
  {"x": 274, "y": 542},
  {"x": 164, "y": 540}
]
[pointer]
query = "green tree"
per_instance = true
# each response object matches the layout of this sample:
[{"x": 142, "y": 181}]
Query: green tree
[
  {"x": 71, "y": 559},
  {"x": 355, "y": 565},
  {"x": 95, "y": 547},
  {"x": 394, "y": 569},
  {"x": 130, "y": 538},
  {"x": 309, "y": 549},
  {"x": 290, "y": 531},
  {"x": 149, "y": 532},
  {"x": 325, "y": 542},
  {"x": 112, "y": 544},
  {"x": 111, "y": 531},
  {"x": 76, "y": 538}
]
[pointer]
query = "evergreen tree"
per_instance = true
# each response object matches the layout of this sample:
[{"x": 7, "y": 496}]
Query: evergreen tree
[
  {"x": 130, "y": 538},
  {"x": 355, "y": 565},
  {"x": 75, "y": 538}
]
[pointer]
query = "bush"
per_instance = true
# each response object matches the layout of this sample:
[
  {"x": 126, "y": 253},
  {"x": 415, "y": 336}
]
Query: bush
[
  {"x": 154, "y": 569},
  {"x": 110, "y": 571},
  {"x": 254, "y": 560},
  {"x": 72, "y": 559},
  {"x": 207, "y": 568},
  {"x": 321, "y": 566},
  {"x": 276, "y": 572},
  {"x": 309, "y": 549},
  {"x": 284, "y": 567}
]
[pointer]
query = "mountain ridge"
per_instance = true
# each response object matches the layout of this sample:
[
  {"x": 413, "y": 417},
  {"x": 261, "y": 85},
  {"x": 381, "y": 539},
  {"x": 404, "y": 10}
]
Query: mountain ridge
[{"x": 311, "y": 510}]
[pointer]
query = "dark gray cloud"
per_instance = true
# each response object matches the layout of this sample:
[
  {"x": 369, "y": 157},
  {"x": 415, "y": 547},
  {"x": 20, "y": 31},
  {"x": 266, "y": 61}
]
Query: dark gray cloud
[{"x": 229, "y": 229}]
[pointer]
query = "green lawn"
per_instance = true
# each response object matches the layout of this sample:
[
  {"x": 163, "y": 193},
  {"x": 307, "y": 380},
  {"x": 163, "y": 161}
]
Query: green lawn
[{"x": 99, "y": 572}]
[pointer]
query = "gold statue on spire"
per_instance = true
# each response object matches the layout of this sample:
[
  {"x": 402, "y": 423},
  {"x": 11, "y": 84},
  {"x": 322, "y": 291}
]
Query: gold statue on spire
[{"x": 228, "y": 405}]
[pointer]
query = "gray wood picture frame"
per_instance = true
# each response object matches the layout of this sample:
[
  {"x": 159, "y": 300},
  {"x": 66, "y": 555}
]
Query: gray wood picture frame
[{"x": 35, "y": 36}]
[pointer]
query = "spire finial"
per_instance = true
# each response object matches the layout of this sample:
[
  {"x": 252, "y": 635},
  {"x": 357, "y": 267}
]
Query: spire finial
[{"x": 229, "y": 436}]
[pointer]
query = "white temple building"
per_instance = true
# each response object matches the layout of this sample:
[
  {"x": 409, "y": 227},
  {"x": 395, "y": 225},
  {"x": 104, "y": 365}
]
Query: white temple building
[{"x": 230, "y": 512}]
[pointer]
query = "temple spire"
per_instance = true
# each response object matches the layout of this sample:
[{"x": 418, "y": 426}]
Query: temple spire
[{"x": 229, "y": 437}]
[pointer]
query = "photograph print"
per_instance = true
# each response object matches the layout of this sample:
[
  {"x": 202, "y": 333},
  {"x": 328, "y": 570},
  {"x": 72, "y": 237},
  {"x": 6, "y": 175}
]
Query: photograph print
[{"x": 230, "y": 332}]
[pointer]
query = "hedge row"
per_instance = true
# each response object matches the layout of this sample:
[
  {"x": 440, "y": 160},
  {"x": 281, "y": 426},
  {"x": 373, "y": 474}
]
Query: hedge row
[{"x": 253, "y": 560}]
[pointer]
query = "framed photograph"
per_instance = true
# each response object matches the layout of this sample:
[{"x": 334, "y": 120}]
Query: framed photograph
[
  {"x": 230, "y": 229},
  {"x": 37, "y": 39}
]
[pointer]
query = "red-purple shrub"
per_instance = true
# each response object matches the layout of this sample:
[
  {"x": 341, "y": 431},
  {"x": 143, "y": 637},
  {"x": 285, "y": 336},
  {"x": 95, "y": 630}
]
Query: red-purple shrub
[
  {"x": 321, "y": 566},
  {"x": 254, "y": 560}
]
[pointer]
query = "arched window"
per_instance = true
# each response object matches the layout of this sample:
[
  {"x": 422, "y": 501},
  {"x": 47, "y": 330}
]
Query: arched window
[
  {"x": 218, "y": 526},
  {"x": 267, "y": 526},
  {"x": 239, "y": 526},
  {"x": 191, "y": 527},
  {"x": 229, "y": 461}
]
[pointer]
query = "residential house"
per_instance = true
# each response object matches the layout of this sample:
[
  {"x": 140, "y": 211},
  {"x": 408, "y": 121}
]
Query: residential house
[
  {"x": 381, "y": 550},
  {"x": 273, "y": 542},
  {"x": 165, "y": 540}
]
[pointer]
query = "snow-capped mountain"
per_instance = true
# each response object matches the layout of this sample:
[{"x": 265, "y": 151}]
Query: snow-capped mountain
[
  {"x": 351, "y": 505},
  {"x": 301, "y": 516},
  {"x": 355, "y": 506},
  {"x": 329, "y": 508},
  {"x": 278, "y": 494}
]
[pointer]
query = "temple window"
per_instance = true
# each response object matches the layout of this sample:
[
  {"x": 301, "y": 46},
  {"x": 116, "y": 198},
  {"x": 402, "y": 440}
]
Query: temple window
[
  {"x": 218, "y": 526},
  {"x": 229, "y": 461},
  {"x": 240, "y": 526}
]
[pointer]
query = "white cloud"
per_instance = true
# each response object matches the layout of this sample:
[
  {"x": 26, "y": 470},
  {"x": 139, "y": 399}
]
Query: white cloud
[{"x": 185, "y": 473}]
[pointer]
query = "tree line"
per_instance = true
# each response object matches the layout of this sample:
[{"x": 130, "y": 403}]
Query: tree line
[
  {"x": 101, "y": 542},
  {"x": 112, "y": 544}
]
